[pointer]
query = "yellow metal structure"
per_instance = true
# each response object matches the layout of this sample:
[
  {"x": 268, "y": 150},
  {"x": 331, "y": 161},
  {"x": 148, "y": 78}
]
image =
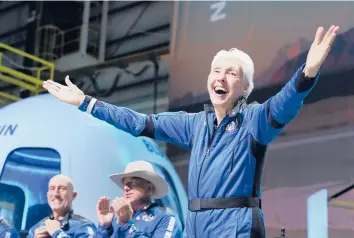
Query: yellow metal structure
[
  {"x": 342, "y": 204},
  {"x": 32, "y": 82},
  {"x": 6, "y": 98}
]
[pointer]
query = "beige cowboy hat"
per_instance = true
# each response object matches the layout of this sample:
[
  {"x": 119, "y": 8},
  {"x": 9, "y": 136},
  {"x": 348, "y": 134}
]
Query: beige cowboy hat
[{"x": 144, "y": 170}]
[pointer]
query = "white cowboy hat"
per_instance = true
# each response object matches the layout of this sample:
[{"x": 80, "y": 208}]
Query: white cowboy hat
[{"x": 144, "y": 170}]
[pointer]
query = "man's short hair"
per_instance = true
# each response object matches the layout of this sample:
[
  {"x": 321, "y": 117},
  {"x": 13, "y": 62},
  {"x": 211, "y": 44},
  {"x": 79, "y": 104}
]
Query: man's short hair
[{"x": 243, "y": 60}]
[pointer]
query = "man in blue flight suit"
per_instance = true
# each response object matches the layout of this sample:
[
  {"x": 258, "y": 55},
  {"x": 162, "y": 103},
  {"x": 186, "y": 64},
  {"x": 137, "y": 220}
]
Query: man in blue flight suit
[
  {"x": 228, "y": 140},
  {"x": 135, "y": 215},
  {"x": 63, "y": 223},
  {"x": 6, "y": 231}
]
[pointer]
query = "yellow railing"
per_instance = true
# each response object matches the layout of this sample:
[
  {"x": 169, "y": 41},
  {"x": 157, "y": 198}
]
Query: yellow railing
[
  {"x": 29, "y": 82},
  {"x": 342, "y": 204},
  {"x": 6, "y": 98}
]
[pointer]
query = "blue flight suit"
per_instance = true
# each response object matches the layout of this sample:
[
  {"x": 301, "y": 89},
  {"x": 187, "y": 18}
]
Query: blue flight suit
[
  {"x": 226, "y": 161},
  {"x": 71, "y": 226},
  {"x": 152, "y": 222}
]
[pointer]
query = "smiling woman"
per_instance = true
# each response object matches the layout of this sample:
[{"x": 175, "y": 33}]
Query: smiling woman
[
  {"x": 240, "y": 61},
  {"x": 230, "y": 78}
]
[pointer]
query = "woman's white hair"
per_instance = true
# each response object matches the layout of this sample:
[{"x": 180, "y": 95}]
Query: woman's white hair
[{"x": 242, "y": 59}]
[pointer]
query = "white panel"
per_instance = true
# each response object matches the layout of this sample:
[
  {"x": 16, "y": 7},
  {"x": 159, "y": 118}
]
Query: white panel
[
  {"x": 73, "y": 61},
  {"x": 317, "y": 214}
]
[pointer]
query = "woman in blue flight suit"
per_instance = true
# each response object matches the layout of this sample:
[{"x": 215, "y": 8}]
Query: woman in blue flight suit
[{"x": 228, "y": 140}]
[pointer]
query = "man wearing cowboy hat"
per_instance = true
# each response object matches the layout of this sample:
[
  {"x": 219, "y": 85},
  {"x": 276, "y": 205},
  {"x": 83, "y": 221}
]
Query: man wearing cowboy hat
[
  {"x": 134, "y": 214},
  {"x": 6, "y": 231}
]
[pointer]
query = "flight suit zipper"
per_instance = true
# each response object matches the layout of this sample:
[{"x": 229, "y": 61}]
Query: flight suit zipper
[{"x": 210, "y": 142}]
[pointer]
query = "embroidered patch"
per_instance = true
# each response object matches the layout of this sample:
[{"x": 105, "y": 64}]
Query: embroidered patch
[
  {"x": 231, "y": 127},
  {"x": 148, "y": 217}
]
